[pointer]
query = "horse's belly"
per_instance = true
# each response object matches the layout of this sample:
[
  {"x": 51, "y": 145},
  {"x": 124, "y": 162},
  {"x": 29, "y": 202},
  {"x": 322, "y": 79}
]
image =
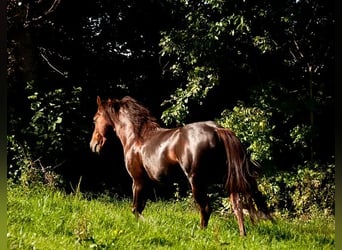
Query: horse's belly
[{"x": 164, "y": 172}]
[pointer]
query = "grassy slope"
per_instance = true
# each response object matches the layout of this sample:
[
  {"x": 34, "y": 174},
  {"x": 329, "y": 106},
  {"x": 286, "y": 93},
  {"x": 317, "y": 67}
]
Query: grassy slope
[{"x": 44, "y": 219}]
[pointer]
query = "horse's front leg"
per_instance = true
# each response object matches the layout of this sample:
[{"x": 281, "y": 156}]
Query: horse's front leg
[
  {"x": 199, "y": 192},
  {"x": 139, "y": 199}
]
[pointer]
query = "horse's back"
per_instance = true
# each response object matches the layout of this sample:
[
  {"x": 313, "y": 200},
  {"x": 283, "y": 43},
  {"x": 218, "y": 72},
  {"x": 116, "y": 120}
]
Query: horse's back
[{"x": 201, "y": 136}]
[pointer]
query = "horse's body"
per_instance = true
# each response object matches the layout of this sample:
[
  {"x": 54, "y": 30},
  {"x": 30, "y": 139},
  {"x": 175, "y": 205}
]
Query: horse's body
[{"x": 203, "y": 151}]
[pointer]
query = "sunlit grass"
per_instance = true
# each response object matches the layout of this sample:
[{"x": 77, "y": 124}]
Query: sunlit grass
[{"x": 39, "y": 218}]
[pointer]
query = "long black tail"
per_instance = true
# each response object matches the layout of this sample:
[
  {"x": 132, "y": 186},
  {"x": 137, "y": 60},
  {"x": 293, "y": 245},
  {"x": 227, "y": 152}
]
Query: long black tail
[{"x": 242, "y": 174}]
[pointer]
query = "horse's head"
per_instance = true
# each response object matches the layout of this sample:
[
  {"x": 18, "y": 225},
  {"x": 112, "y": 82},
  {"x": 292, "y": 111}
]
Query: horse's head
[
  {"x": 102, "y": 125},
  {"x": 129, "y": 120}
]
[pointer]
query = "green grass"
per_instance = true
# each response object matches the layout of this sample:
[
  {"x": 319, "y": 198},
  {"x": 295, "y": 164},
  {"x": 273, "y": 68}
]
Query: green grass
[{"x": 39, "y": 218}]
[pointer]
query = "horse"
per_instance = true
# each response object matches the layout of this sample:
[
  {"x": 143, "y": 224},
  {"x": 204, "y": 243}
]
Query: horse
[{"x": 203, "y": 151}]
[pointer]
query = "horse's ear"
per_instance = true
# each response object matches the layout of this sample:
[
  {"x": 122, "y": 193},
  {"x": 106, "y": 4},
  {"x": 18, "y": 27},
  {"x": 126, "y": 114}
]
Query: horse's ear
[{"x": 98, "y": 101}]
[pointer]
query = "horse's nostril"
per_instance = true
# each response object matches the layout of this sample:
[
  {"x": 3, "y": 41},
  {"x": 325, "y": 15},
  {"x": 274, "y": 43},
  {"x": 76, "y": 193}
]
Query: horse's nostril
[{"x": 97, "y": 148}]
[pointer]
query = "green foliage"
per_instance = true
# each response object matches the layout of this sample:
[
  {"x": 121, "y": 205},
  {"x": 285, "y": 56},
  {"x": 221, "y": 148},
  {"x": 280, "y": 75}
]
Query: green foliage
[
  {"x": 301, "y": 135},
  {"x": 21, "y": 158},
  {"x": 34, "y": 156},
  {"x": 50, "y": 109},
  {"x": 46, "y": 122},
  {"x": 196, "y": 49},
  {"x": 307, "y": 185},
  {"x": 200, "y": 81},
  {"x": 264, "y": 43},
  {"x": 253, "y": 126},
  {"x": 305, "y": 191},
  {"x": 292, "y": 132},
  {"x": 27, "y": 171}
]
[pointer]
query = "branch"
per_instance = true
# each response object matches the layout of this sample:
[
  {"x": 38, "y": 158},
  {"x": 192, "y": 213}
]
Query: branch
[
  {"x": 50, "y": 10},
  {"x": 65, "y": 75},
  {"x": 298, "y": 49}
]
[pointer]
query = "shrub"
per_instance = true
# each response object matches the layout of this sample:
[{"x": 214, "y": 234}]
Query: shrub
[
  {"x": 252, "y": 125},
  {"x": 29, "y": 172},
  {"x": 307, "y": 189},
  {"x": 38, "y": 149}
]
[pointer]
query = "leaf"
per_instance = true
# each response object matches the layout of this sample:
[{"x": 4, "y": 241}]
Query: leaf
[{"x": 59, "y": 120}]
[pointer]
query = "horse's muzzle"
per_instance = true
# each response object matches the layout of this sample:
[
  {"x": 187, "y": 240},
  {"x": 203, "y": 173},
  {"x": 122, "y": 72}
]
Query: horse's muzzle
[{"x": 95, "y": 147}]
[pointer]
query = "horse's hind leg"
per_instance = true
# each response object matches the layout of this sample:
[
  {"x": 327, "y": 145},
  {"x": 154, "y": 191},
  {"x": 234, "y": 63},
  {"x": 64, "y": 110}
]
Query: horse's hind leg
[
  {"x": 237, "y": 207},
  {"x": 199, "y": 192}
]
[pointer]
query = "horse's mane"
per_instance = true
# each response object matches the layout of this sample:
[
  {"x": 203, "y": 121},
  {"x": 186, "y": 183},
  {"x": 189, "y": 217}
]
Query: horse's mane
[{"x": 141, "y": 118}]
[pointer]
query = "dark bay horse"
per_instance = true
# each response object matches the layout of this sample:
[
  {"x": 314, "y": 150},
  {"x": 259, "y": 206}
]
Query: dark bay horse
[{"x": 203, "y": 151}]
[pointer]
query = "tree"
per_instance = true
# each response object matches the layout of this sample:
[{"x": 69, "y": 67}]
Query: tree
[{"x": 244, "y": 47}]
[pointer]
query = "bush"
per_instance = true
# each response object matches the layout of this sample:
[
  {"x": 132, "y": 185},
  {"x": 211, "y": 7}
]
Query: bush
[
  {"x": 37, "y": 150},
  {"x": 52, "y": 111},
  {"x": 29, "y": 172},
  {"x": 303, "y": 191},
  {"x": 252, "y": 126}
]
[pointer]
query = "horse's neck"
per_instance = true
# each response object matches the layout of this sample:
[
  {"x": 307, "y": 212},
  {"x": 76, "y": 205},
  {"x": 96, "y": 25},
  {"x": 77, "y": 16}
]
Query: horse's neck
[
  {"x": 128, "y": 134},
  {"x": 130, "y": 139},
  {"x": 127, "y": 138}
]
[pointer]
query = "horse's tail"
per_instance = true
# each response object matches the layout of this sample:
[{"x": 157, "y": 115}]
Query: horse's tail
[{"x": 241, "y": 175}]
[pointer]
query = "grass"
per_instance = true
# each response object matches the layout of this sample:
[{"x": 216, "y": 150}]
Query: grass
[{"x": 40, "y": 218}]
